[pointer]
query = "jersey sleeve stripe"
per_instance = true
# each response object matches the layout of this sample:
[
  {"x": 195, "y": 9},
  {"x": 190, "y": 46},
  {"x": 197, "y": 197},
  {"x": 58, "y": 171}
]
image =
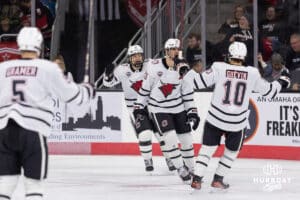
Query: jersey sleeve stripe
[
  {"x": 38, "y": 108},
  {"x": 74, "y": 97},
  {"x": 126, "y": 99},
  {"x": 145, "y": 90},
  {"x": 229, "y": 114},
  {"x": 4, "y": 196},
  {"x": 5, "y": 106},
  {"x": 183, "y": 95},
  {"x": 274, "y": 95},
  {"x": 166, "y": 106},
  {"x": 88, "y": 91},
  {"x": 196, "y": 85},
  {"x": 201, "y": 77},
  {"x": 187, "y": 100},
  {"x": 224, "y": 121},
  {"x": 81, "y": 100},
  {"x": 164, "y": 101},
  {"x": 31, "y": 117},
  {"x": 271, "y": 86},
  {"x": 144, "y": 95}
]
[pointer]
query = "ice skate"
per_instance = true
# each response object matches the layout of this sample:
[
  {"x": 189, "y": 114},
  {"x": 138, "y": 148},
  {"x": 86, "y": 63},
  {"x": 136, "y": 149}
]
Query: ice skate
[
  {"x": 184, "y": 175},
  {"x": 149, "y": 165},
  {"x": 170, "y": 164},
  {"x": 218, "y": 185},
  {"x": 196, "y": 182}
]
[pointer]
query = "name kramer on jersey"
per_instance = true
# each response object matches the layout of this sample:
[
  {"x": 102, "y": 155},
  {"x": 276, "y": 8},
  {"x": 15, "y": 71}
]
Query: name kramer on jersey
[
  {"x": 236, "y": 74},
  {"x": 21, "y": 71}
]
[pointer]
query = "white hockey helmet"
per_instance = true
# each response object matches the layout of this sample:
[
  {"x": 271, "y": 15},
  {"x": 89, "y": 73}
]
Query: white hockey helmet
[
  {"x": 134, "y": 49},
  {"x": 172, "y": 43},
  {"x": 30, "y": 39},
  {"x": 237, "y": 50}
]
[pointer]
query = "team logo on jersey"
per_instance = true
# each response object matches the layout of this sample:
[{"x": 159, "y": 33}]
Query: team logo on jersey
[
  {"x": 128, "y": 74},
  {"x": 253, "y": 121},
  {"x": 137, "y": 85},
  {"x": 167, "y": 88},
  {"x": 146, "y": 76},
  {"x": 159, "y": 73}
]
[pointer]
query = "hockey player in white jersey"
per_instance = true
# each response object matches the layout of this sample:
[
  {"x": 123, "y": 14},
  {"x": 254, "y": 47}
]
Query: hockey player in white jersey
[
  {"x": 131, "y": 75},
  {"x": 228, "y": 112},
  {"x": 196, "y": 68},
  {"x": 26, "y": 88},
  {"x": 170, "y": 102}
]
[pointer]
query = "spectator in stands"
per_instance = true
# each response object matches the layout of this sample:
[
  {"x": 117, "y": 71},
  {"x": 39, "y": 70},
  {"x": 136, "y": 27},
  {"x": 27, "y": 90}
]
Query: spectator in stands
[
  {"x": 243, "y": 33},
  {"x": 272, "y": 33},
  {"x": 272, "y": 70},
  {"x": 296, "y": 86},
  {"x": 5, "y": 28},
  {"x": 44, "y": 21},
  {"x": 197, "y": 65},
  {"x": 293, "y": 16},
  {"x": 293, "y": 53},
  {"x": 232, "y": 23},
  {"x": 11, "y": 10},
  {"x": 194, "y": 51}
]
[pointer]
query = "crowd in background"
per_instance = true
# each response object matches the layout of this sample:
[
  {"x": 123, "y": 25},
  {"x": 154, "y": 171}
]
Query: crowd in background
[
  {"x": 278, "y": 39},
  {"x": 278, "y": 24},
  {"x": 15, "y": 14}
]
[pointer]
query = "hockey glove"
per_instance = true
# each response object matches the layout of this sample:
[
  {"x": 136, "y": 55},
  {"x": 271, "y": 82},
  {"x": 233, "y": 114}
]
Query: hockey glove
[
  {"x": 109, "y": 72},
  {"x": 194, "y": 118},
  {"x": 285, "y": 79},
  {"x": 182, "y": 68}
]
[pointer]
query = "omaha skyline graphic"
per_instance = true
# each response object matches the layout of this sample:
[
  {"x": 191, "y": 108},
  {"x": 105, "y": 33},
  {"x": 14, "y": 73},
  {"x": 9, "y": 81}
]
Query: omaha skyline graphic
[{"x": 112, "y": 122}]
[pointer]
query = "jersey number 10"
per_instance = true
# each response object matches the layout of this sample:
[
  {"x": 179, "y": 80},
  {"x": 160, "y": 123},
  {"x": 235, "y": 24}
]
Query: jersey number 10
[{"x": 239, "y": 93}]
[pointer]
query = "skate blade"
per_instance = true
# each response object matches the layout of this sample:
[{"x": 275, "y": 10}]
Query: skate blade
[
  {"x": 150, "y": 173},
  {"x": 188, "y": 182},
  {"x": 194, "y": 191},
  {"x": 217, "y": 190}
]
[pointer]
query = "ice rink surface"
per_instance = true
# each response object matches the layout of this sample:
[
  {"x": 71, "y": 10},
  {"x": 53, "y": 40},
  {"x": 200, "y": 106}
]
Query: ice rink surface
[{"x": 123, "y": 177}]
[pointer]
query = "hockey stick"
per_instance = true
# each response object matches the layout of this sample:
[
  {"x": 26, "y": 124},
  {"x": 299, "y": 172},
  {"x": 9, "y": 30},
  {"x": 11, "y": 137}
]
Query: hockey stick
[{"x": 86, "y": 78}]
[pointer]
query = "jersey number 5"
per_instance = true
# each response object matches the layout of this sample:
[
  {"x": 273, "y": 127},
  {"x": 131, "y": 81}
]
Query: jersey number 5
[
  {"x": 239, "y": 93},
  {"x": 18, "y": 93}
]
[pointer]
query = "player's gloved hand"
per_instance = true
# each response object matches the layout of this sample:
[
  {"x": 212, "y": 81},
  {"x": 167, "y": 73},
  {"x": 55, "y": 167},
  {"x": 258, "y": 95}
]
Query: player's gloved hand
[
  {"x": 194, "y": 118},
  {"x": 90, "y": 89},
  {"x": 182, "y": 68},
  {"x": 178, "y": 60},
  {"x": 109, "y": 72},
  {"x": 285, "y": 79}
]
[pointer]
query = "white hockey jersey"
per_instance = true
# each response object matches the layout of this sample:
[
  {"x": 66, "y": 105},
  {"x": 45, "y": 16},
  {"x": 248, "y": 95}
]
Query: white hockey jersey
[
  {"x": 190, "y": 77},
  {"x": 164, "y": 91},
  {"x": 233, "y": 87},
  {"x": 130, "y": 80},
  {"x": 26, "y": 88}
]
